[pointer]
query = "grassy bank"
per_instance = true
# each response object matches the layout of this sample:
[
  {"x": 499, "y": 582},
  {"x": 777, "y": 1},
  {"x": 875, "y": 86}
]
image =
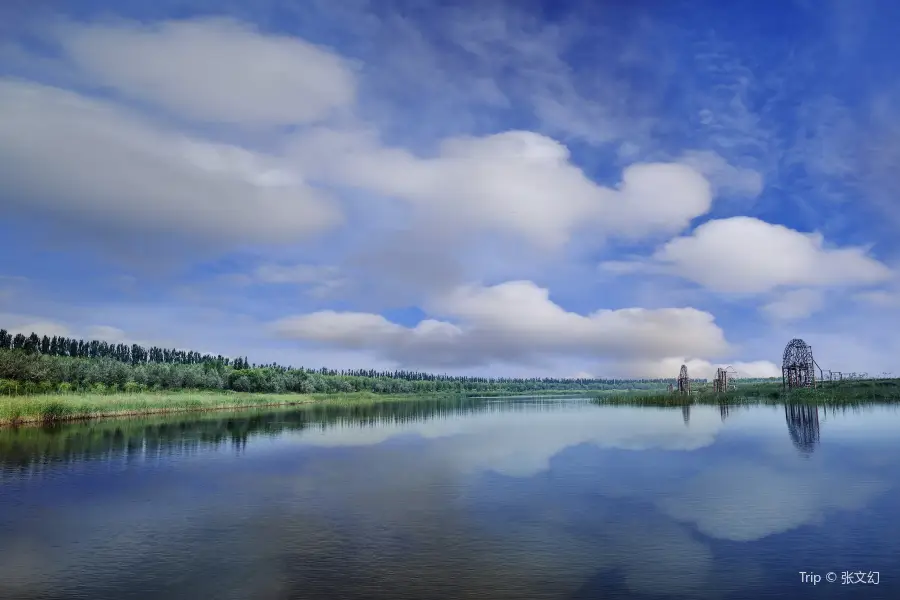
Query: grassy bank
[
  {"x": 56, "y": 407},
  {"x": 50, "y": 408},
  {"x": 844, "y": 393}
]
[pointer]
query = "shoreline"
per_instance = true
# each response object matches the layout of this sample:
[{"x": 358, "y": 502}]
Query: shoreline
[
  {"x": 37, "y": 422},
  {"x": 40, "y": 410},
  {"x": 848, "y": 396},
  {"x": 48, "y": 409}
]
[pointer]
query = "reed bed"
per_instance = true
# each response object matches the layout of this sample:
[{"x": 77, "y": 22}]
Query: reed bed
[
  {"x": 51, "y": 408},
  {"x": 73, "y": 406}
]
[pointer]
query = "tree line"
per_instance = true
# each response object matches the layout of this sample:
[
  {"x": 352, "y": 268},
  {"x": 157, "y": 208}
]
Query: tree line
[
  {"x": 133, "y": 353},
  {"x": 33, "y": 364}
]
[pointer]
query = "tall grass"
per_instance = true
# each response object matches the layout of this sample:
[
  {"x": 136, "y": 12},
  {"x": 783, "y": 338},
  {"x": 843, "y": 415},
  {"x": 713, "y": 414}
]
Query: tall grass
[{"x": 50, "y": 408}]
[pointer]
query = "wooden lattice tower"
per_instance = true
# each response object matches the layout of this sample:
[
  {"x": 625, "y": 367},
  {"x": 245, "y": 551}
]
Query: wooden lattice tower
[
  {"x": 684, "y": 382},
  {"x": 720, "y": 383},
  {"x": 798, "y": 368},
  {"x": 723, "y": 378}
]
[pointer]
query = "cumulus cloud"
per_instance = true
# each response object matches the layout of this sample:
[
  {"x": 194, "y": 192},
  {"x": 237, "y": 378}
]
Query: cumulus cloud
[
  {"x": 795, "y": 304},
  {"x": 86, "y": 160},
  {"x": 745, "y": 255},
  {"x": 516, "y": 181},
  {"x": 514, "y": 321},
  {"x": 213, "y": 69}
]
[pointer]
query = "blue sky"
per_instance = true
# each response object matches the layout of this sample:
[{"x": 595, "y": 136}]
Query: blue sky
[{"x": 604, "y": 188}]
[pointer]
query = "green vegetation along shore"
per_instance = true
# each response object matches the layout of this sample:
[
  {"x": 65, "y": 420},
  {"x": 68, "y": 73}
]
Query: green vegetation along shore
[
  {"x": 74, "y": 406},
  {"x": 50, "y": 408},
  {"x": 846, "y": 392}
]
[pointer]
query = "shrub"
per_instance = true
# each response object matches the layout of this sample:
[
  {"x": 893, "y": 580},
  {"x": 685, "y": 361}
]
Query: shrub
[
  {"x": 53, "y": 411},
  {"x": 9, "y": 388}
]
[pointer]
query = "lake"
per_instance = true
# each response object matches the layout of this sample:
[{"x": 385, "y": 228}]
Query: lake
[{"x": 517, "y": 499}]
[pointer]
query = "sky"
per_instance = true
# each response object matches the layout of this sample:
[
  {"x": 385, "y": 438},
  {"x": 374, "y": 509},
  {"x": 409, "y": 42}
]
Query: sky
[{"x": 605, "y": 189}]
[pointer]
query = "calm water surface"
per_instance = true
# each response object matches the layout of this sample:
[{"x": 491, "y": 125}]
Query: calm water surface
[{"x": 478, "y": 499}]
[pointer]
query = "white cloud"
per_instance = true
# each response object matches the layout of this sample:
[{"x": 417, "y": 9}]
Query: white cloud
[
  {"x": 629, "y": 267},
  {"x": 88, "y": 161},
  {"x": 321, "y": 280},
  {"x": 756, "y": 368},
  {"x": 515, "y": 322},
  {"x": 515, "y": 181},
  {"x": 214, "y": 69},
  {"x": 746, "y": 255},
  {"x": 795, "y": 304},
  {"x": 726, "y": 178},
  {"x": 26, "y": 325},
  {"x": 582, "y": 375},
  {"x": 879, "y": 298}
]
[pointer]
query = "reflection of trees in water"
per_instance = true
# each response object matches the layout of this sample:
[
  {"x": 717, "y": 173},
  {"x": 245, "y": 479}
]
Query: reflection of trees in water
[
  {"x": 803, "y": 426},
  {"x": 186, "y": 434}
]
